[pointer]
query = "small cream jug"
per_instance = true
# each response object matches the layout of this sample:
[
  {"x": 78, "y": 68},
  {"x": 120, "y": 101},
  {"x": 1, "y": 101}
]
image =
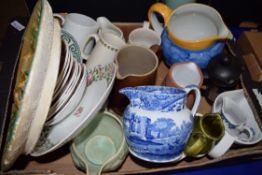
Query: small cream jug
[
  {"x": 105, "y": 49},
  {"x": 100, "y": 64}
]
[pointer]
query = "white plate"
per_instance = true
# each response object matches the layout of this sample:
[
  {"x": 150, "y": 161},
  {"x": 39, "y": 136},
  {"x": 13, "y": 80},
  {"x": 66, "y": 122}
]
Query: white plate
[
  {"x": 33, "y": 65},
  {"x": 63, "y": 68},
  {"x": 49, "y": 84},
  {"x": 95, "y": 95},
  {"x": 239, "y": 97}
]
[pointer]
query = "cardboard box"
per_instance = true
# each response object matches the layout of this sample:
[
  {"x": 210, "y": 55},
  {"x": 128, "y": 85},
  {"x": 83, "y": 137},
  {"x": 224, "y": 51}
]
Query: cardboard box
[
  {"x": 250, "y": 43},
  {"x": 60, "y": 161}
]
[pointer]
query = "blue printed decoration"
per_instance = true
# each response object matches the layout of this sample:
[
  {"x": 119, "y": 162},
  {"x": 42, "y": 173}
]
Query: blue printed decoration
[
  {"x": 156, "y": 98},
  {"x": 173, "y": 53},
  {"x": 160, "y": 140},
  {"x": 157, "y": 123}
]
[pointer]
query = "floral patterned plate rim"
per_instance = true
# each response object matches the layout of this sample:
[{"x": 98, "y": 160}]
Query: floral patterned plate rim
[{"x": 101, "y": 80}]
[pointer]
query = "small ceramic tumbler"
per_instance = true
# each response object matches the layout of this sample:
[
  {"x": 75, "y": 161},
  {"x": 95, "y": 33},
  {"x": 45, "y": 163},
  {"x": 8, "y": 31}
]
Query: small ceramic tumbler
[
  {"x": 137, "y": 65},
  {"x": 222, "y": 146},
  {"x": 183, "y": 74}
]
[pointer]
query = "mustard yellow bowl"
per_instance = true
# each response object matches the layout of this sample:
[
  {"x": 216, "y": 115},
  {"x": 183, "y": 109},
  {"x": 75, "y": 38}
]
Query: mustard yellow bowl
[{"x": 192, "y": 26}]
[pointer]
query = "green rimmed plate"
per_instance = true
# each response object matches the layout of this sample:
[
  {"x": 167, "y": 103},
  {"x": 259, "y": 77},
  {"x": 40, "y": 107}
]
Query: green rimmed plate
[
  {"x": 72, "y": 45},
  {"x": 49, "y": 84},
  {"x": 31, "y": 74}
]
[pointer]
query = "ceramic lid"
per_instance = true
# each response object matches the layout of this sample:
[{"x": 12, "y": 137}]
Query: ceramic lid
[{"x": 224, "y": 70}]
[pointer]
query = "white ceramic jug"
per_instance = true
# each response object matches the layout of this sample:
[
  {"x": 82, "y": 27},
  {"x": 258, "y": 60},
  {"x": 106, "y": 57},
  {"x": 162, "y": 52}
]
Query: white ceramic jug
[{"x": 106, "y": 46}]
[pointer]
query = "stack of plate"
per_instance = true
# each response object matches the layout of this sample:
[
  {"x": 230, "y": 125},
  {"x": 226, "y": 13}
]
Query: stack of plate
[
  {"x": 69, "y": 89},
  {"x": 53, "y": 99}
]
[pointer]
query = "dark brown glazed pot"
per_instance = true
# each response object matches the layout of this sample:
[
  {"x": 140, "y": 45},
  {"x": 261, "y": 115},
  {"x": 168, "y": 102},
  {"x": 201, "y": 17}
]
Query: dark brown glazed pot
[
  {"x": 137, "y": 66},
  {"x": 224, "y": 72}
]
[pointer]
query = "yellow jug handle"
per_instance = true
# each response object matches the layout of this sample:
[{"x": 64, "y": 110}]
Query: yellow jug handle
[{"x": 164, "y": 11}]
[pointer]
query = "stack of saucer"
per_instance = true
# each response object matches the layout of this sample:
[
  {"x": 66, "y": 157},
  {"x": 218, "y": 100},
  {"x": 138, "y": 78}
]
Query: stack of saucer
[{"x": 69, "y": 88}]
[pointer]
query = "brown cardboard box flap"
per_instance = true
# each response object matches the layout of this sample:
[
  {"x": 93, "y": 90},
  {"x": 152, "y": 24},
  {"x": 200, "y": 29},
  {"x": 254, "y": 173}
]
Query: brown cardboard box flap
[
  {"x": 253, "y": 66},
  {"x": 251, "y": 42}
]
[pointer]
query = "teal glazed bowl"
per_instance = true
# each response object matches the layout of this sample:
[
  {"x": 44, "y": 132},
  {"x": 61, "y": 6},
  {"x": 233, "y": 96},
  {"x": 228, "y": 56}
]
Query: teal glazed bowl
[{"x": 101, "y": 146}]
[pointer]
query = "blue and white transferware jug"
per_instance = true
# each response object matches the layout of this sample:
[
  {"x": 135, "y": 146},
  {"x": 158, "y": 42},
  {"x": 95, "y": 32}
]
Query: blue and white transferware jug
[{"x": 157, "y": 122}]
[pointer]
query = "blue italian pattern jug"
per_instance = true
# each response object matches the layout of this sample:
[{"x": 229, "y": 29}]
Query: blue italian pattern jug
[{"x": 157, "y": 122}]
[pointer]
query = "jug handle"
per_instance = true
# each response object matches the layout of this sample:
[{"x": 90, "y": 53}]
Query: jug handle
[
  {"x": 60, "y": 17},
  {"x": 163, "y": 10},
  {"x": 90, "y": 38},
  {"x": 197, "y": 99}
]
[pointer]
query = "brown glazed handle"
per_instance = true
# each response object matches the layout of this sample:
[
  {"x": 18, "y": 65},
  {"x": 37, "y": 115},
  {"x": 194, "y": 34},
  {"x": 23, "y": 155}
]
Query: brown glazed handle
[{"x": 157, "y": 50}]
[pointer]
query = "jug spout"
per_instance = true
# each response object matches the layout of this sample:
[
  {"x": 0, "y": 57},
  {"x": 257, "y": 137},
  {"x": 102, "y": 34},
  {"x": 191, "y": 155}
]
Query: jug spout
[
  {"x": 108, "y": 26},
  {"x": 226, "y": 33},
  {"x": 155, "y": 98},
  {"x": 131, "y": 93},
  {"x": 103, "y": 22}
]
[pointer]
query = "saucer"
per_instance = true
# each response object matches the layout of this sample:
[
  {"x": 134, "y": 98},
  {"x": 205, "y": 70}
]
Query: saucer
[
  {"x": 239, "y": 98},
  {"x": 94, "y": 97},
  {"x": 73, "y": 98}
]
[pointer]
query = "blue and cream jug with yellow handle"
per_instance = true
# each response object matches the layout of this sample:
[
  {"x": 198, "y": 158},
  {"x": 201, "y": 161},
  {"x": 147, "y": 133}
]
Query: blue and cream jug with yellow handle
[
  {"x": 157, "y": 122},
  {"x": 191, "y": 32}
]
